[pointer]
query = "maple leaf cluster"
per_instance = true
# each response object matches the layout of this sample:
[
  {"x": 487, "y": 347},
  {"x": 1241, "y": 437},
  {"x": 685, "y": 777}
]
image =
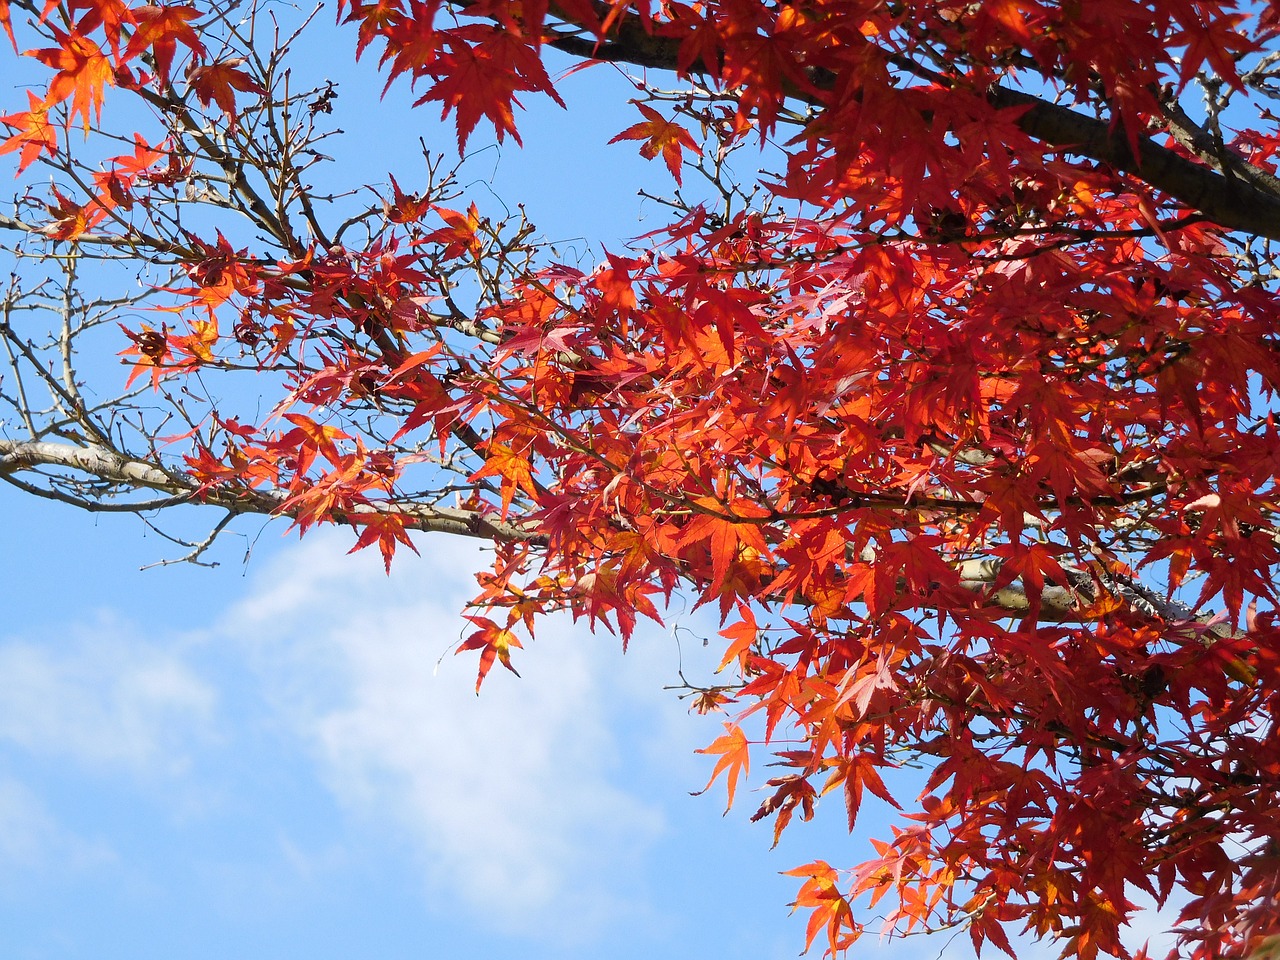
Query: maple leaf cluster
[
  {"x": 93, "y": 51},
  {"x": 962, "y": 419}
]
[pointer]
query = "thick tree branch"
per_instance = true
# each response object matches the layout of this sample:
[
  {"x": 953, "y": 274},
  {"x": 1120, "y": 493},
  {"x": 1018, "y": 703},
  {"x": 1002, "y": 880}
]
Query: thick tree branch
[
  {"x": 101, "y": 464},
  {"x": 1070, "y": 602},
  {"x": 97, "y": 463},
  {"x": 1227, "y": 200}
]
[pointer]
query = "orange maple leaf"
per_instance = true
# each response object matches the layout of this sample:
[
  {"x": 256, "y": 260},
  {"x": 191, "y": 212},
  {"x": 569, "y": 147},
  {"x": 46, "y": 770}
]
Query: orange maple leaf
[
  {"x": 311, "y": 437},
  {"x": 744, "y": 634},
  {"x": 200, "y": 342},
  {"x": 821, "y": 894},
  {"x": 1013, "y": 15},
  {"x": 162, "y": 28},
  {"x": 69, "y": 219},
  {"x": 735, "y": 757},
  {"x": 494, "y": 643},
  {"x": 116, "y": 183},
  {"x": 374, "y": 19},
  {"x": 660, "y": 135},
  {"x": 459, "y": 234},
  {"x": 405, "y": 207},
  {"x": 6, "y": 24},
  {"x": 513, "y": 469},
  {"x": 83, "y": 74},
  {"x": 385, "y": 529},
  {"x": 111, "y": 16},
  {"x": 35, "y": 133},
  {"x": 726, "y": 537}
]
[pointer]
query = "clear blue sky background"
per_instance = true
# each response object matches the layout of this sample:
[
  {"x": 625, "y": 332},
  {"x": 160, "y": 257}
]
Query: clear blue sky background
[{"x": 280, "y": 758}]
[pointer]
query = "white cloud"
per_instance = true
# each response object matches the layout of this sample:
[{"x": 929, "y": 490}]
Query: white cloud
[
  {"x": 103, "y": 698},
  {"x": 32, "y": 839},
  {"x": 510, "y": 799}
]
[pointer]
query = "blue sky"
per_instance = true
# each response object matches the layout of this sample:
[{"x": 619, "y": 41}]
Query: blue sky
[
  {"x": 283, "y": 759},
  {"x": 280, "y": 757}
]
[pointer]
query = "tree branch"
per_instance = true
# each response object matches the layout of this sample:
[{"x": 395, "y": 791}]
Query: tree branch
[
  {"x": 102, "y": 464},
  {"x": 1229, "y": 201}
]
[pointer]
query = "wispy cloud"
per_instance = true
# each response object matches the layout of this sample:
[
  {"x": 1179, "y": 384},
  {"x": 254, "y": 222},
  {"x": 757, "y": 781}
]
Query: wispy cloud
[
  {"x": 511, "y": 800},
  {"x": 31, "y": 839},
  {"x": 104, "y": 699}
]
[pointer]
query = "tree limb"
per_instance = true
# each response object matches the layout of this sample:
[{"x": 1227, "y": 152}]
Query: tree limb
[
  {"x": 1229, "y": 201},
  {"x": 102, "y": 464}
]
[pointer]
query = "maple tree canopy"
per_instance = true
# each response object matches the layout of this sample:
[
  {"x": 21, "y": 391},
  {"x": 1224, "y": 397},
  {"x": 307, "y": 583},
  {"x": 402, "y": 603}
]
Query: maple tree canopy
[{"x": 961, "y": 418}]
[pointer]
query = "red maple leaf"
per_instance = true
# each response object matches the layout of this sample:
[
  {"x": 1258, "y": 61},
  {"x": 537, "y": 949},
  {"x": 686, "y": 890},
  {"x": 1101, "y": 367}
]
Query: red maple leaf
[
  {"x": 217, "y": 83},
  {"x": 479, "y": 76}
]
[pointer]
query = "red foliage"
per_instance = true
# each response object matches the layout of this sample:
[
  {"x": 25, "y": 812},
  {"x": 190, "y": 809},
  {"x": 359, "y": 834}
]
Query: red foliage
[{"x": 968, "y": 427}]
